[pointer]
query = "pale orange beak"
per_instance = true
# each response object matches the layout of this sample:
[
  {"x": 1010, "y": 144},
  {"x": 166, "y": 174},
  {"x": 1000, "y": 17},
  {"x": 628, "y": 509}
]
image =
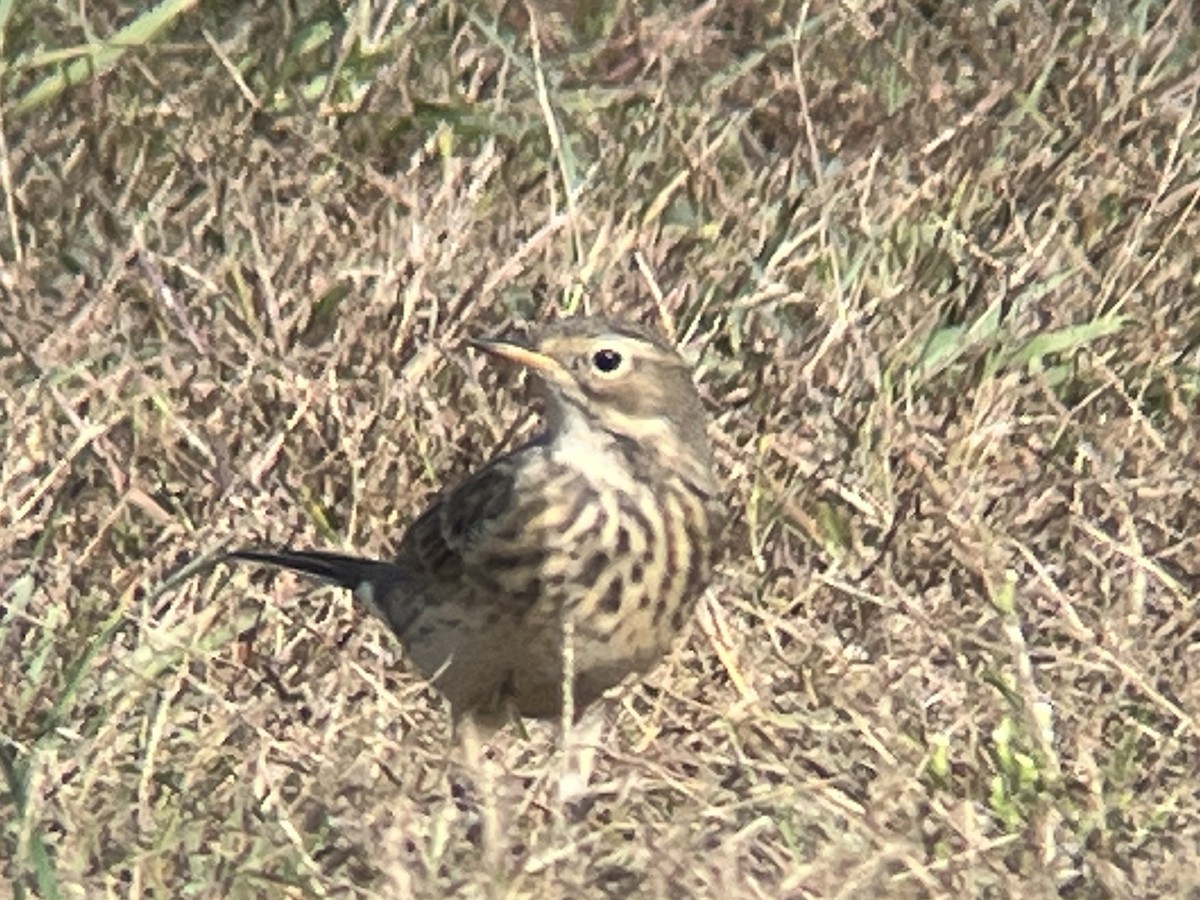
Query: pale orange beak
[{"x": 519, "y": 354}]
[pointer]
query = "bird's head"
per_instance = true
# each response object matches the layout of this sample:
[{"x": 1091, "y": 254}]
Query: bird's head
[{"x": 619, "y": 381}]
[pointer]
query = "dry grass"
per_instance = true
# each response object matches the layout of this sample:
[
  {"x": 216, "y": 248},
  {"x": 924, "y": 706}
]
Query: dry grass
[{"x": 939, "y": 274}]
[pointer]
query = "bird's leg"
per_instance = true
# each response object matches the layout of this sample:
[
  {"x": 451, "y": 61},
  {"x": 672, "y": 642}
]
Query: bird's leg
[{"x": 473, "y": 738}]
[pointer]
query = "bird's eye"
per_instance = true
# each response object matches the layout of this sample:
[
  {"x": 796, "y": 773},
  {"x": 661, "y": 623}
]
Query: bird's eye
[{"x": 606, "y": 360}]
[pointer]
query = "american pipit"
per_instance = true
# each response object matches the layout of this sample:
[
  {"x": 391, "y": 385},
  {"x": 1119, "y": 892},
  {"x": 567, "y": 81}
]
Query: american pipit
[{"x": 574, "y": 559}]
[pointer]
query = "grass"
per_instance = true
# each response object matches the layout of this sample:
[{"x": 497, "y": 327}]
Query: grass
[{"x": 937, "y": 271}]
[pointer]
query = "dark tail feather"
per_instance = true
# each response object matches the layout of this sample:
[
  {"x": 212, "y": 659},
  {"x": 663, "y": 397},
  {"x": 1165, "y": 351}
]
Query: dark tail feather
[
  {"x": 377, "y": 584},
  {"x": 339, "y": 568}
]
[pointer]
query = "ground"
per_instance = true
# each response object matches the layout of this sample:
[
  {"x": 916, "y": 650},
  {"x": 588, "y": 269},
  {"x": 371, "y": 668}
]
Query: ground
[{"x": 936, "y": 268}]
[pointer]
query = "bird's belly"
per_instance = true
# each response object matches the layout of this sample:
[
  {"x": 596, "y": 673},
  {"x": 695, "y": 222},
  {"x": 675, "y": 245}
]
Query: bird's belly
[
  {"x": 616, "y": 583},
  {"x": 603, "y": 572}
]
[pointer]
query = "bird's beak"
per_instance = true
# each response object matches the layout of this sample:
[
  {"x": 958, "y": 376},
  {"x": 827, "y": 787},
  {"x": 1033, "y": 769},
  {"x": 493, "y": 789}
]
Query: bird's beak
[{"x": 519, "y": 354}]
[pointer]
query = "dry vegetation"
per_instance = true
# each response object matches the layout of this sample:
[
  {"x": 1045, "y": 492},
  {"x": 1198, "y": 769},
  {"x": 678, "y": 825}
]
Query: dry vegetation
[{"x": 937, "y": 266}]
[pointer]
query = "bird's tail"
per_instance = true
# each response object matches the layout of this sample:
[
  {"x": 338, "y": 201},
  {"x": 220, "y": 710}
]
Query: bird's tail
[{"x": 376, "y": 584}]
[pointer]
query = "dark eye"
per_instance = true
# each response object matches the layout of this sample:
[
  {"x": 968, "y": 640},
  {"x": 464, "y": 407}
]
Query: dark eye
[{"x": 606, "y": 360}]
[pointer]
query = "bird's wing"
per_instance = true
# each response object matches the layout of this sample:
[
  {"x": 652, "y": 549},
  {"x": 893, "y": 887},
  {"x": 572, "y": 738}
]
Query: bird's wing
[{"x": 450, "y": 540}]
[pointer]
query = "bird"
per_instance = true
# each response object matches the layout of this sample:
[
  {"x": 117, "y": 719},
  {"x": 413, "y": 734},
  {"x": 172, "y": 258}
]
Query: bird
[{"x": 559, "y": 568}]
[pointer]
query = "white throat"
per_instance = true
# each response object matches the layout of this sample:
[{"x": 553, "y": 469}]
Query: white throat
[
  {"x": 579, "y": 445},
  {"x": 593, "y": 451}
]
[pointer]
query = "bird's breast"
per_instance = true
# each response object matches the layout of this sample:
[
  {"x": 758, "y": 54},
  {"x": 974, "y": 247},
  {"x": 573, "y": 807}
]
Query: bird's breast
[
  {"x": 622, "y": 557},
  {"x": 596, "y": 553}
]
